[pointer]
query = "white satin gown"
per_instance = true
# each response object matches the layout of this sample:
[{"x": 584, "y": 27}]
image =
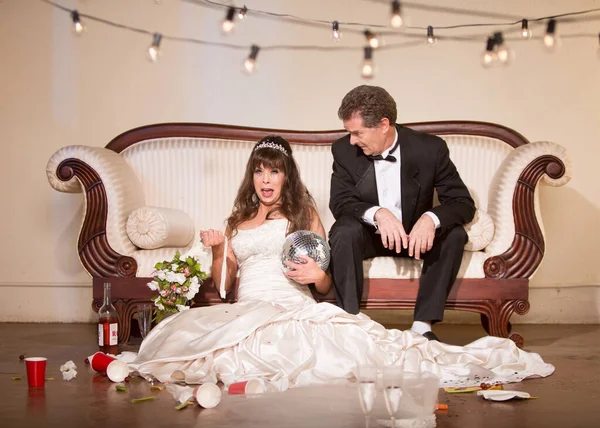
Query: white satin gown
[{"x": 277, "y": 332}]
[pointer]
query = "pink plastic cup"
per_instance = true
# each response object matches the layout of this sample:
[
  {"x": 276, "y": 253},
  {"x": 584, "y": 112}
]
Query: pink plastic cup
[
  {"x": 36, "y": 370},
  {"x": 252, "y": 386}
]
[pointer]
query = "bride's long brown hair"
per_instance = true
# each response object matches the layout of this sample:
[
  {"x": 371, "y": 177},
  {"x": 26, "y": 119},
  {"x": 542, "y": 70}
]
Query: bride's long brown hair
[{"x": 297, "y": 205}]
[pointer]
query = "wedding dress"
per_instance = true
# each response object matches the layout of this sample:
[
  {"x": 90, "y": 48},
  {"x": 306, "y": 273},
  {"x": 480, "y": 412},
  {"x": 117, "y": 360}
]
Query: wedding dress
[{"x": 277, "y": 332}]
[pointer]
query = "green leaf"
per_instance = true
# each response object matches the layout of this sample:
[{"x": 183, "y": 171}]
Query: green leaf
[{"x": 158, "y": 266}]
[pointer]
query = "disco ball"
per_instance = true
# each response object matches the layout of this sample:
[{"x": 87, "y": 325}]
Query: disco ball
[{"x": 305, "y": 243}]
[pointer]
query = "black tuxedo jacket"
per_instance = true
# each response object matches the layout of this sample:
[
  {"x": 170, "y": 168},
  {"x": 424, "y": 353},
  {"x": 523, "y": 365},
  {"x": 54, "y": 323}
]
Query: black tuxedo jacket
[{"x": 425, "y": 166}]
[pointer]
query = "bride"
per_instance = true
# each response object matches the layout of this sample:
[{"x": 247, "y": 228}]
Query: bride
[{"x": 277, "y": 331}]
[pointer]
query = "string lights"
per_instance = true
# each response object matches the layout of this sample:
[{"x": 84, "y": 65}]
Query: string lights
[
  {"x": 77, "y": 25},
  {"x": 496, "y": 50},
  {"x": 154, "y": 49},
  {"x": 368, "y": 70}
]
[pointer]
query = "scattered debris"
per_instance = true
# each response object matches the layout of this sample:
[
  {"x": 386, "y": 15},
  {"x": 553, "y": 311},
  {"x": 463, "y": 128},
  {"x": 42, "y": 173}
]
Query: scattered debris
[
  {"x": 69, "y": 370},
  {"x": 157, "y": 387},
  {"x": 121, "y": 388},
  {"x": 440, "y": 406},
  {"x": 139, "y": 400},
  {"x": 503, "y": 395},
  {"x": 22, "y": 357},
  {"x": 49, "y": 378},
  {"x": 16, "y": 378},
  {"x": 183, "y": 405}
]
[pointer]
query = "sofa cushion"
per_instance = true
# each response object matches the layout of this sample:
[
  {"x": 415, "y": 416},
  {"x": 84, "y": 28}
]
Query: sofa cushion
[
  {"x": 480, "y": 231},
  {"x": 154, "y": 227}
]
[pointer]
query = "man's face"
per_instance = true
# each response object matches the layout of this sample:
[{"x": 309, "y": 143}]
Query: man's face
[{"x": 370, "y": 140}]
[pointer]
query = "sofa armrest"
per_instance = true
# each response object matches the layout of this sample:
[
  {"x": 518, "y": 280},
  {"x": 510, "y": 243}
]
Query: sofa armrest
[
  {"x": 111, "y": 192},
  {"x": 518, "y": 245}
]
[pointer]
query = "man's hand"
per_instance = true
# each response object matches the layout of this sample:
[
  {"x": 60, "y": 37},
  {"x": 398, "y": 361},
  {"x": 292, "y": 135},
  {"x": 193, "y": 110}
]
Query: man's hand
[
  {"x": 305, "y": 273},
  {"x": 392, "y": 231},
  {"x": 421, "y": 236}
]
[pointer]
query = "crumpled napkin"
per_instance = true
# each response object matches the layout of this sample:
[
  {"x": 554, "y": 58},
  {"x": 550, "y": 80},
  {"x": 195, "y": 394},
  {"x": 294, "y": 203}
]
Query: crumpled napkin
[
  {"x": 502, "y": 395},
  {"x": 68, "y": 370}
]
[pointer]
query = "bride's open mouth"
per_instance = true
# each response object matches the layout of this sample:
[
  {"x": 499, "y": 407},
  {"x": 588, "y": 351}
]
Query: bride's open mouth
[{"x": 267, "y": 193}]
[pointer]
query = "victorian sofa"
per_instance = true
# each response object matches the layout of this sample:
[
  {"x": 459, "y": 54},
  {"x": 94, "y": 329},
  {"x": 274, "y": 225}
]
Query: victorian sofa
[{"x": 179, "y": 178}]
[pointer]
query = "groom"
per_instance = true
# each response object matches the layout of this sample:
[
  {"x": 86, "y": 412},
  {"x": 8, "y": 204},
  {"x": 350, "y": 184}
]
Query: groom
[{"x": 382, "y": 191}]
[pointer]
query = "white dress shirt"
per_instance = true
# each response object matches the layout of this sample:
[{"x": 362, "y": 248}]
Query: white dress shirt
[{"x": 389, "y": 189}]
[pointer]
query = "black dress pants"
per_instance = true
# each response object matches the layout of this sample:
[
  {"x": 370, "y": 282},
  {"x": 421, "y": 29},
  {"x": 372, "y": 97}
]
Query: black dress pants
[{"x": 352, "y": 242}]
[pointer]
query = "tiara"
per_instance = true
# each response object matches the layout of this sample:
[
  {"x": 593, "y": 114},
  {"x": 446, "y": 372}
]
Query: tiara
[{"x": 271, "y": 145}]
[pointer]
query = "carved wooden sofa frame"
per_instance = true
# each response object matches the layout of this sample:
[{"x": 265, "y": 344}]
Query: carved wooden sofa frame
[{"x": 503, "y": 291}]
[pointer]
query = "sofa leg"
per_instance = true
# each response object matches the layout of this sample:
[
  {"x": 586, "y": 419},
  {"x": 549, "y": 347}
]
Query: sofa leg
[{"x": 495, "y": 318}]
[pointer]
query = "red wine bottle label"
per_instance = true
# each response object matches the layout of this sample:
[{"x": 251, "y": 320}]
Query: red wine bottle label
[
  {"x": 108, "y": 334},
  {"x": 114, "y": 334}
]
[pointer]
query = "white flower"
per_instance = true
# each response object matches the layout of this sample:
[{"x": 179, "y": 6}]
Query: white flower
[
  {"x": 68, "y": 370},
  {"x": 161, "y": 275},
  {"x": 170, "y": 277},
  {"x": 153, "y": 285},
  {"x": 194, "y": 280},
  {"x": 174, "y": 267},
  {"x": 194, "y": 288},
  {"x": 160, "y": 306},
  {"x": 182, "y": 308},
  {"x": 179, "y": 278}
]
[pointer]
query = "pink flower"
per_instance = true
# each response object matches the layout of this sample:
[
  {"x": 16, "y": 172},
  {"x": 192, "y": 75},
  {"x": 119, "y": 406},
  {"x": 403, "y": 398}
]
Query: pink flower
[
  {"x": 185, "y": 289},
  {"x": 173, "y": 287},
  {"x": 163, "y": 293},
  {"x": 186, "y": 271}
]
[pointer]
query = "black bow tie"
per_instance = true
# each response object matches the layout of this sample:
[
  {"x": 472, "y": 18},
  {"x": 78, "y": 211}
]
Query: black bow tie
[{"x": 388, "y": 158}]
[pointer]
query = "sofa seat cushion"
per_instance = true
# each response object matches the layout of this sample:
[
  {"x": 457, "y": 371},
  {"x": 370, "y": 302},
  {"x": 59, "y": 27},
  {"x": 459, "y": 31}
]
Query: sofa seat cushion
[
  {"x": 379, "y": 267},
  {"x": 147, "y": 259},
  {"x": 408, "y": 268},
  {"x": 150, "y": 228}
]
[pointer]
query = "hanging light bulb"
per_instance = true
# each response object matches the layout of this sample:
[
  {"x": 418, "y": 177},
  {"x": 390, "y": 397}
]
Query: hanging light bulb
[
  {"x": 550, "y": 39},
  {"x": 431, "y": 39},
  {"x": 372, "y": 39},
  {"x": 77, "y": 25},
  {"x": 242, "y": 13},
  {"x": 504, "y": 53},
  {"x": 525, "y": 31},
  {"x": 396, "y": 16},
  {"x": 336, "y": 33},
  {"x": 228, "y": 23},
  {"x": 368, "y": 68},
  {"x": 250, "y": 62},
  {"x": 488, "y": 58},
  {"x": 154, "y": 49}
]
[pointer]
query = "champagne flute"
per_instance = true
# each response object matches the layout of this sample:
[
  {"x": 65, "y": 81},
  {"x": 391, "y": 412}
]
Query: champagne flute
[
  {"x": 393, "y": 377},
  {"x": 144, "y": 318},
  {"x": 367, "y": 388}
]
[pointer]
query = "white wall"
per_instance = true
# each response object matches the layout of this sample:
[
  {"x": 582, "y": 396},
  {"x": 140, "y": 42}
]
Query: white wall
[{"x": 57, "y": 90}]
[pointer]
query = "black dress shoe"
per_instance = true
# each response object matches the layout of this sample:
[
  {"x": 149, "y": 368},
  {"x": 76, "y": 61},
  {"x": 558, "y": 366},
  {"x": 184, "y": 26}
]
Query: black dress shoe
[{"x": 430, "y": 335}]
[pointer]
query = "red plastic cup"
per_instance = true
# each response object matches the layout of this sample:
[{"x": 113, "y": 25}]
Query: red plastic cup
[
  {"x": 207, "y": 395},
  {"x": 116, "y": 370},
  {"x": 36, "y": 370},
  {"x": 99, "y": 361},
  {"x": 252, "y": 386}
]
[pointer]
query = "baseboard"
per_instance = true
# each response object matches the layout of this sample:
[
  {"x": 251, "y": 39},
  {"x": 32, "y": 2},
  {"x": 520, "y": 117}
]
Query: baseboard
[{"x": 72, "y": 303}]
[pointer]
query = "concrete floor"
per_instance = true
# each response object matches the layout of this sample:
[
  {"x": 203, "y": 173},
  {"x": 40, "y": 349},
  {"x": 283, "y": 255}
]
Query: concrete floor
[{"x": 569, "y": 398}]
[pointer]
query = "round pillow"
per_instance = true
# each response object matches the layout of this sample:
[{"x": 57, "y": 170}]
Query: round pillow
[
  {"x": 154, "y": 227},
  {"x": 480, "y": 231}
]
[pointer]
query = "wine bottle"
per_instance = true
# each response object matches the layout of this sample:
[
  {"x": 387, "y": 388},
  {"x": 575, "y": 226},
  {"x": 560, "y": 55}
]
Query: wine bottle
[{"x": 108, "y": 324}]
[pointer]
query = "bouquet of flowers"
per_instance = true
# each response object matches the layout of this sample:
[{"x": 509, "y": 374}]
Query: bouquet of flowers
[{"x": 177, "y": 282}]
